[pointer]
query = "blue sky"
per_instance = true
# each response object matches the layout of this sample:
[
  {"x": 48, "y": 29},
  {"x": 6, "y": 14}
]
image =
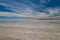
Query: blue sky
[{"x": 29, "y": 9}]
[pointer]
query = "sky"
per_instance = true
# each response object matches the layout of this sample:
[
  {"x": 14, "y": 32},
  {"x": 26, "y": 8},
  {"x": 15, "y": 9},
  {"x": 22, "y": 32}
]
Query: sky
[{"x": 28, "y": 9}]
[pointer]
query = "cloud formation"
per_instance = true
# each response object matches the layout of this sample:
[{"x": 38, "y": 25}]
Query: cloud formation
[
  {"x": 26, "y": 8},
  {"x": 29, "y": 13},
  {"x": 23, "y": 4}
]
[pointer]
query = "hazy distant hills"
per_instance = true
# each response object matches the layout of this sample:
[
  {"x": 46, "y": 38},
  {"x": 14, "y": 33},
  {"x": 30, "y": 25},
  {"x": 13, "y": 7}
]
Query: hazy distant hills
[
  {"x": 16, "y": 18},
  {"x": 50, "y": 18}
]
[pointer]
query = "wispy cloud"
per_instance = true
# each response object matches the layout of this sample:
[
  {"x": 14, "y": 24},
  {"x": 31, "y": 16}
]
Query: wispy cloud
[
  {"x": 44, "y": 1},
  {"x": 20, "y": 6},
  {"x": 7, "y": 14},
  {"x": 30, "y": 13},
  {"x": 28, "y": 9},
  {"x": 54, "y": 11}
]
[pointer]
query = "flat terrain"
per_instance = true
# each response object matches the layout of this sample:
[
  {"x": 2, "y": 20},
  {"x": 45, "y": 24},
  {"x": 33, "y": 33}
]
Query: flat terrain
[{"x": 30, "y": 30}]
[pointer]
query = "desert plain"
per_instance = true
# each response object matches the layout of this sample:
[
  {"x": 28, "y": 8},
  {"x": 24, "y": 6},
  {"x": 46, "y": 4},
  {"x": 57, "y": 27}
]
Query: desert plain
[{"x": 30, "y": 30}]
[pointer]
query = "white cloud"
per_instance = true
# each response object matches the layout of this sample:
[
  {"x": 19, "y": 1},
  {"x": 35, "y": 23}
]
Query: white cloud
[
  {"x": 27, "y": 11},
  {"x": 11, "y": 14},
  {"x": 41, "y": 15},
  {"x": 25, "y": 14},
  {"x": 8, "y": 14},
  {"x": 54, "y": 11},
  {"x": 22, "y": 9},
  {"x": 17, "y": 6}
]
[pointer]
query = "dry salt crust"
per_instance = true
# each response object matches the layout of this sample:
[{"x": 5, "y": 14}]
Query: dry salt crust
[{"x": 30, "y": 30}]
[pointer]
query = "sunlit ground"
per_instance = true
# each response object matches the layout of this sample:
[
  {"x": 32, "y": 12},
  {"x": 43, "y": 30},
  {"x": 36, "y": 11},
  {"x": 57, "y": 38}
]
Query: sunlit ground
[{"x": 30, "y": 30}]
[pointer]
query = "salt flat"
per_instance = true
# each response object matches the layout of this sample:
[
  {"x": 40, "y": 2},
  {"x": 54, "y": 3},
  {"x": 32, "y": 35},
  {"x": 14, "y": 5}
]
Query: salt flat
[{"x": 30, "y": 30}]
